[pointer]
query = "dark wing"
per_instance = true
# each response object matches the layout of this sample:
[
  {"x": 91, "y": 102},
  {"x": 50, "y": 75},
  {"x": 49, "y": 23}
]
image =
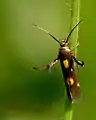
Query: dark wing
[{"x": 73, "y": 88}]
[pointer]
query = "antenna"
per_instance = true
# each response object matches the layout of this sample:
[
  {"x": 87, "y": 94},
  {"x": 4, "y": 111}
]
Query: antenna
[
  {"x": 73, "y": 30},
  {"x": 46, "y": 32}
]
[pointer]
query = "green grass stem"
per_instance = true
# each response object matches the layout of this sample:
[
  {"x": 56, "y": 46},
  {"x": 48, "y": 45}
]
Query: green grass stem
[{"x": 74, "y": 19}]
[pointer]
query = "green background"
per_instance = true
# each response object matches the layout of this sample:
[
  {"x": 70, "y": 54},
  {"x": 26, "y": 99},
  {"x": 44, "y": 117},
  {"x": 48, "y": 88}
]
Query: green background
[{"x": 26, "y": 94}]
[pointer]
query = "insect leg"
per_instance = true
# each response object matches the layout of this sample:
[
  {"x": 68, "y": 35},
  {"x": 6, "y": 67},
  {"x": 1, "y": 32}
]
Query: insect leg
[
  {"x": 81, "y": 63},
  {"x": 49, "y": 66}
]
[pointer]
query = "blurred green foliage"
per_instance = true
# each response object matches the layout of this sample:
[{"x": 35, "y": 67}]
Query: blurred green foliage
[{"x": 28, "y": 94}]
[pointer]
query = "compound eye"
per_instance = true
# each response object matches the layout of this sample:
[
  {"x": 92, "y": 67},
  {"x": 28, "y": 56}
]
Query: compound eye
[{"x": 62, "y": 45}]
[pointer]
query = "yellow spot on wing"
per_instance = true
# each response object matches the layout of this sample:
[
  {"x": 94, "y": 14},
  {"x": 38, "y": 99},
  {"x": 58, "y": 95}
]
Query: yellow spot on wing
[
  {"x": 71, "y": 81},
  {"x": 78, "y": 84},
  {"x": 66, "y": 64},
  {"x": 71, "y": 69}
]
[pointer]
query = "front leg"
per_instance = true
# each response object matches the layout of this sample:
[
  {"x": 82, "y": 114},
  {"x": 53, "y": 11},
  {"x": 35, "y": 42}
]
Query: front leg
[
  {"x": 78, "y": 62},
  {"x": 49, "y": 66}
]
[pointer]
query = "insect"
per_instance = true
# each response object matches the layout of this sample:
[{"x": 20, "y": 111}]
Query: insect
[{"x": 67, "y": 59}]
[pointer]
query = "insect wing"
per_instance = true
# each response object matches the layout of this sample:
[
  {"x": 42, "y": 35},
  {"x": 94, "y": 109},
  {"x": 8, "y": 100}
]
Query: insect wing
[{"x": 73, "y": 88}]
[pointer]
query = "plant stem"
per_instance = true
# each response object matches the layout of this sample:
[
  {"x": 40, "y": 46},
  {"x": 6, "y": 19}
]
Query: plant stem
[
  {"x": 68, "y": 108},
  {"x": 74, "y": 19}
]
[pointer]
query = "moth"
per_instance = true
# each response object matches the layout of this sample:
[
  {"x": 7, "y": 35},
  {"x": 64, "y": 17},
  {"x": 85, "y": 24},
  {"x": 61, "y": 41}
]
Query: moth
[{"x": 67, "y": 59}]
